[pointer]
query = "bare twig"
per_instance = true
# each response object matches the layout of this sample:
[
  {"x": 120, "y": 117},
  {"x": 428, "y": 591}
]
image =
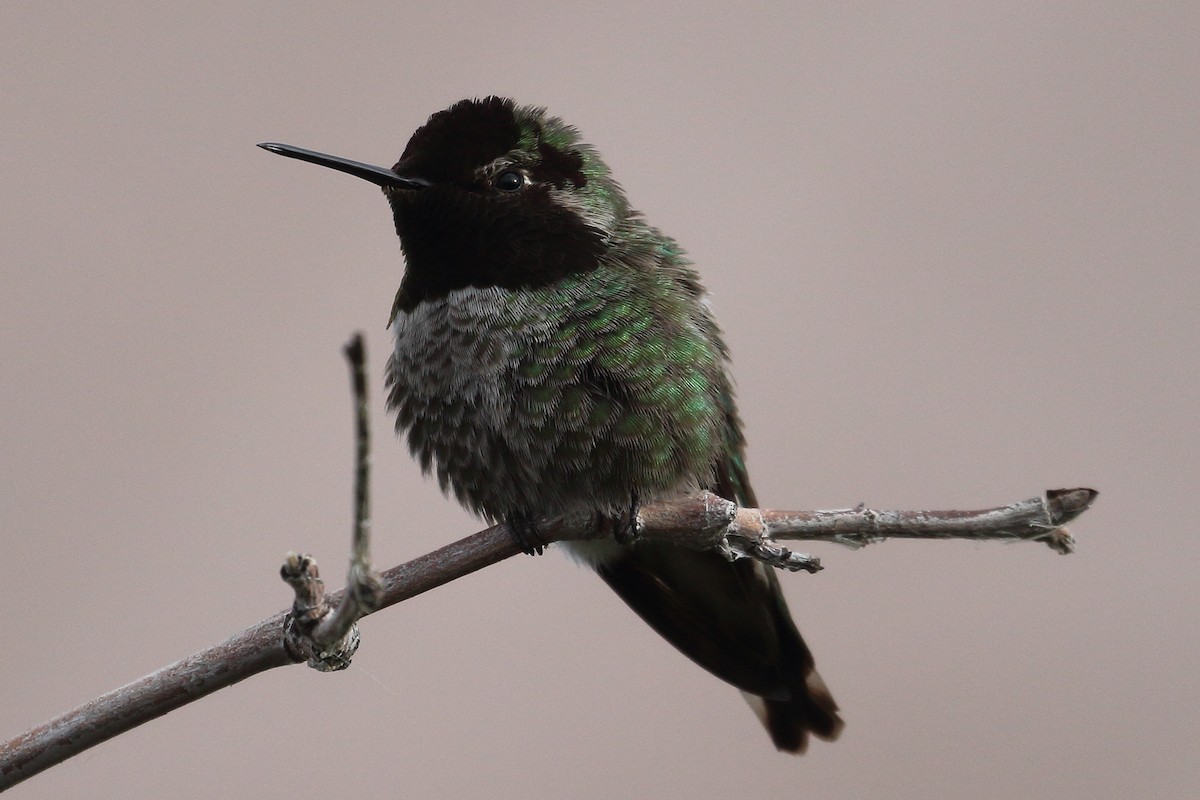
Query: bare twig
[
  {"x": 318, "y": 631},
  {"x": 363, "y": 585},
  {"x": 262, "y": 647},
  {"x": 315, "y": 632}
]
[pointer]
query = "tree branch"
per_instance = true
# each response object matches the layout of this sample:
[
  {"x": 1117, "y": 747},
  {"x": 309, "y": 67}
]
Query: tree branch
[
  {"x": 697, "y": 521},
  {"x": 322, "y": 630}
]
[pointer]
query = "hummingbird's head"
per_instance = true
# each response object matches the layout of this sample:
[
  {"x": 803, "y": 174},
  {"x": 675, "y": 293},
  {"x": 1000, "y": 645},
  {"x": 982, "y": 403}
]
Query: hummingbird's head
[{"x": 489, "y": 193}]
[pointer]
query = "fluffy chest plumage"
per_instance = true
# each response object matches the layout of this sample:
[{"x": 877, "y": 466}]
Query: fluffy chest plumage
[
  {"x": 463, "y": 350},
  {"x": 546, "y": 401},
  {"x": 460, "y": 385}
]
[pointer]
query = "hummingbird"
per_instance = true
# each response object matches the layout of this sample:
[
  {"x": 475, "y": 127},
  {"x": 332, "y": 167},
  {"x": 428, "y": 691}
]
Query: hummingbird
[{"x": 554, "y": 354}]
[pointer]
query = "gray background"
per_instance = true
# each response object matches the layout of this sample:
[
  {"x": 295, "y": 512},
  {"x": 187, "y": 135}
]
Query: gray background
[{"x": 954, "y": 250}]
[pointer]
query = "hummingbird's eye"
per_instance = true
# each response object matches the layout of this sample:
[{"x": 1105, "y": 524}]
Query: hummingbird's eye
[{"x": 510, "y": 180}]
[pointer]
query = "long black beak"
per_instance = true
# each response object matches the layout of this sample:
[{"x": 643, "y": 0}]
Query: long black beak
[{"x": 377, "y": 175}]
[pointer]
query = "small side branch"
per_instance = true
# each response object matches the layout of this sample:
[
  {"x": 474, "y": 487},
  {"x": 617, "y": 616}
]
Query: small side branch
[{"x": 320, "y": 631}]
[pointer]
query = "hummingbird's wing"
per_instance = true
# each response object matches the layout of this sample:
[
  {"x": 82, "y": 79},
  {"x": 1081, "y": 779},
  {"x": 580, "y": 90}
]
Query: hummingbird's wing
[{"x": 731, "y": 619}]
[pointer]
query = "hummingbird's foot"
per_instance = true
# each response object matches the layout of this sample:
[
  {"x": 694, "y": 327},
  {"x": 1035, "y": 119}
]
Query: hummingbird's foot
[
  {"x": 625, "y": 525},
  {"x": 524, "y": 530}
]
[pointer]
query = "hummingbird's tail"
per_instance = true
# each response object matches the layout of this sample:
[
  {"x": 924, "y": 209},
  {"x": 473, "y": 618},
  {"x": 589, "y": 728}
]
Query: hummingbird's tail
[
  {"x": 731, "y": 619},
  {"x": 809, "y": 707}
]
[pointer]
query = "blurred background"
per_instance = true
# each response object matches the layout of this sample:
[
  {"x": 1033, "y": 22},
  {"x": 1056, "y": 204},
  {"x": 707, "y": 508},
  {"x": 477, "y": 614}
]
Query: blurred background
[{"x": 954, "y": 250}]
